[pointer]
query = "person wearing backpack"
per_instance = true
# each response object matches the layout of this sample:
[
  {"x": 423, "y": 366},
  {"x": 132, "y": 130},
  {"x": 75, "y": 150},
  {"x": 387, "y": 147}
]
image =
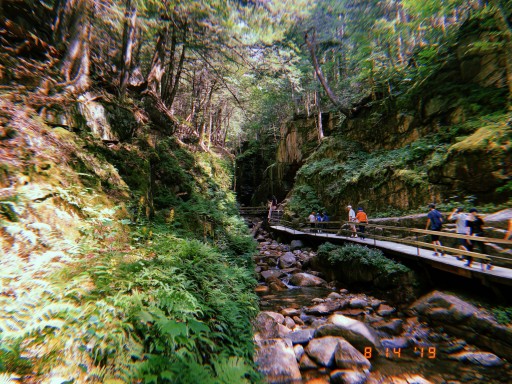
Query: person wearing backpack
[
  {"x": 435, "y": 221},
  {"x": 476, "y": 228},
  {"x": 361, "y": 217}
]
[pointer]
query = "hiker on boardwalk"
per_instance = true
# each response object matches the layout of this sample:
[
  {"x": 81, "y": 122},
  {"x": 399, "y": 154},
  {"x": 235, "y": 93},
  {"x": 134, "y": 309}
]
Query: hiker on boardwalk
[
  {"x": 352, "y": 217},
  {"x": 312, "y": 220},
  {"x": 361, "y": 217},
  {"x": 476, "y": 228},
  {"x": 435, "y": 221},
  {"x": 509, "y": 231},
  {"x": 460, "y": 219}
]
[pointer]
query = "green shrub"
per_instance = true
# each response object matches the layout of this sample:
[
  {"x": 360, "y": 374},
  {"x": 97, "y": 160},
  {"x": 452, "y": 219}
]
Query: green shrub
[{"x": 372, "y": 258}]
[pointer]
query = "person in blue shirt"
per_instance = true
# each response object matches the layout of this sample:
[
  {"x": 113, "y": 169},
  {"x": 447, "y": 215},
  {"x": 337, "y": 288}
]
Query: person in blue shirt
[{"x": 435, "y": 221}]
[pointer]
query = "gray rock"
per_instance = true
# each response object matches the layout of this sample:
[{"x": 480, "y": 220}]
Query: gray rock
[
  {"x": 283, "y": 330},
  {"x": 485, "y": 359},
  {"x": 396, "y": 342},
  {"x": 358, "y": 303},
  {"x": 385, "y": 310},
  {"x": 278, "y": 318},
  {"x": 296, "y": 244},
  {"x": 306, "y": 280},
  {"x": 322, "y": 350},
  {"x": 325, "y": 308},
  {"x": 289, "y": 322},
  {"x": 287, "y": 260},
  {"x": 348, "y": 377},
  {"x": 266, "y": 326},
  {"x": 290, "y": 312},
  {"x": 334, "y": 296},
  {"x": 355, "y": 332},
  {"x": 299, "y": 351},
  {"x": 347, "y": 357},
  {"x": 274, "y": 284},
  {"x": 392, "y": 327},
  {"x": 302, "y": 336},
  {"x": 276, "y": 360},
  {"x": 307, "y": 363},
  {"x": 272, "y": 273}
]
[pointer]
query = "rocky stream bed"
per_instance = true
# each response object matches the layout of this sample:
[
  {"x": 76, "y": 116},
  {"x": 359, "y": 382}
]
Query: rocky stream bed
[{"x": 313, "y": 331}]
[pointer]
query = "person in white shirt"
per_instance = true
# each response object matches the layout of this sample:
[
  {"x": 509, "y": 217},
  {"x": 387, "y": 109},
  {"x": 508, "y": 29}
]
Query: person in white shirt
[
  {"x": 312, "y": 221},
  {"x": 460, "y": 219},
  {"x": 352, "y": 217}
]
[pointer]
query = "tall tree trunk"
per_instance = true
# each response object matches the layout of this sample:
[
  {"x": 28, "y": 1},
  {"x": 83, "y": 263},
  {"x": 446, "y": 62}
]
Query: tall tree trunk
[
  {"x": 169, "y": 75},
  {"x": 176, "y": 82},
  {"x": 319, "y": 125},
  {"x": 157, "y": 64},
  {"x": 128, "y": 43},
  {"x": 75, "y": 67},
  {"x": 322, "y": 80}
]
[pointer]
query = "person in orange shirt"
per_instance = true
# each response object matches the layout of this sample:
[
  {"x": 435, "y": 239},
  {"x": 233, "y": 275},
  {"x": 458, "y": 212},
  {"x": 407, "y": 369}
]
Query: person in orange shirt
[{"x": 361, "y": 218}]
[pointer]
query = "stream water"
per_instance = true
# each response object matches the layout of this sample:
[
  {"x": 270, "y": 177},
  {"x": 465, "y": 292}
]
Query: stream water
[{"x": 412, "y": 351}]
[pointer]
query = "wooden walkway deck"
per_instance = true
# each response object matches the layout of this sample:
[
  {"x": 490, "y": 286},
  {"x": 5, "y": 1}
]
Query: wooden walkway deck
[{"x": 447, "y": 263}]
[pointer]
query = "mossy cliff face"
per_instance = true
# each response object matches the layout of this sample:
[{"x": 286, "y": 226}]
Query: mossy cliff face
[
  {"x": 299, "y": 139},
  {"x": 448, "y": 136}
]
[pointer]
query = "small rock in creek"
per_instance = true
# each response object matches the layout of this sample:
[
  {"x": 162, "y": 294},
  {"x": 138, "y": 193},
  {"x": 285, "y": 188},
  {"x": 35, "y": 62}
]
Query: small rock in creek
[
  {"x": 290, "y": 312},
  {"x": 324, "y": 308},
  {"x": 276, "y": 361},
  {"x": 299, "y": 351},
  {"x": 302, "y": 336},
  {"x": 393, "y": 327},
  {"x": 485, "y": 359},
  {"x": 454, "y": 346},
  {"x": 298, "y": 320},
  {"x": 343, "y": 376},
  {"x": 289, "y": 322},
  {"x": 272, "y": 273},
  {"x": 306, "y": 280},
  {"x": 322, "y": 350},
  {"x": 261, "y": 288},
  {"x": 395, "y": 343},
  {"x": 307, "y": 363},
  {"x": 347, "y": 357},
  {"x": 385, "y": 310},
  {"x": 296, "y": 244},
  {"x": 334, "y": 296},
  {"x": 318, "y": 322},
  {"x": 343, "y": 291},
  {"x": 317, "y": 300},
  {"x": 358, "y": 303}
]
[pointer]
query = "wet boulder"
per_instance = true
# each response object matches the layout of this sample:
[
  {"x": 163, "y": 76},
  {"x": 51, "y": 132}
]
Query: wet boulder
[
  {"x": 296, "y": 244},
  {"x": 275, "y": 284},
  {"x": 307, "y": 280},
  {"x": 325, "y": 308},
  {"x": 266, "y": 325},
  {"x": 322, "y": 349},
  {"x": 287, "y": 260},
  {"x": 485, "y": 359},
  {"x": 302, "y": 336},
  {"x": 354, "y": 331},
  {"x": 276, "y": 360},
  {"x": 272, "y": 273},
  {"x": 345, "y": 376},
  {"x": 347, "y": 357}
]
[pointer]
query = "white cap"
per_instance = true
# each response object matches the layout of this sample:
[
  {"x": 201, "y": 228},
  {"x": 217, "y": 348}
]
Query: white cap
[{"x": 349, "y": 206}]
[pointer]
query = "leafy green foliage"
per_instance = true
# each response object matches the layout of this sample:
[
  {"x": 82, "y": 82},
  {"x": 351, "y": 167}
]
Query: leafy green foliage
[
  {"x": 503, "y": 314},
  {"x": 372, "y": 258}
]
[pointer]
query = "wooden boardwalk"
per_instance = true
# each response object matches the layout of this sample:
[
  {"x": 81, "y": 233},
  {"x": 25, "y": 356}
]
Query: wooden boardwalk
[{"x": 447, "y": 263}]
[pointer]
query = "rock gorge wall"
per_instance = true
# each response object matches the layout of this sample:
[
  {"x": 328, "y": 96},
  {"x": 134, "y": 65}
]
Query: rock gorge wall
[{"x": 448, "y": 137}]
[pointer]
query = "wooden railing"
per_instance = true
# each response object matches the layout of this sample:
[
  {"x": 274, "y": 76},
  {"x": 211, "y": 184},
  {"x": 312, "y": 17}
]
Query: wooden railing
[{"x": 408, "y": 236}]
